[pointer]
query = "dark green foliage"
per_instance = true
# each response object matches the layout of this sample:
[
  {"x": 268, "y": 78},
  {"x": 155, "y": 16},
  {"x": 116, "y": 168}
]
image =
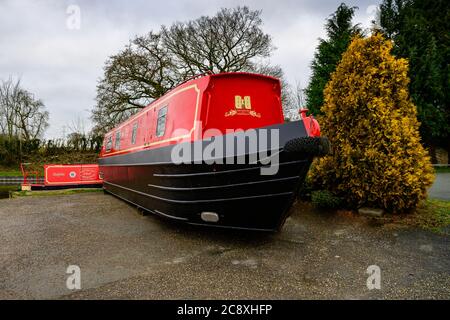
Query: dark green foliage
[
  {"x": 339, "y": 33},
  {"x": 304, "y": 193},
  {"x": 421, "y": 33},
  {"x": 13, "y": 151},
  {"x": 324, "y": 199}
]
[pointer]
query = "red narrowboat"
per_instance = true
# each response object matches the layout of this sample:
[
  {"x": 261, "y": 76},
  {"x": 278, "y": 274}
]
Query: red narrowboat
[
  {"x": 213, "y": 151},
  {"x": 58, "y": 176}
]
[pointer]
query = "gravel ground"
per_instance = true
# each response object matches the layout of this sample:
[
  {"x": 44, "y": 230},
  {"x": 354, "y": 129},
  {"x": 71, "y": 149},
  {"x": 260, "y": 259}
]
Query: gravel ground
[{"x": 123, "y": 254}]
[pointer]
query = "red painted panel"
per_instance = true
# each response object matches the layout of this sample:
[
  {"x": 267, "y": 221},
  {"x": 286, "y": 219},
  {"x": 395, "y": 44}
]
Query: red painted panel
[
  {"x": 68, "y": 174},
  {"x": 183, "y": 103},
  {"x": 311, "y": 125},
  {"x": 242, "y": 101},
  {"x": 181, "y": 109},
  {"x": 222, "y": 101}
]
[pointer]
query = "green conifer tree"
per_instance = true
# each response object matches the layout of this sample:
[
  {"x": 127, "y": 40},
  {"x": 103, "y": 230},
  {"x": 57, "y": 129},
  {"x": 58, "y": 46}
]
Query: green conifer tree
[
  {"x": 377, "y": 159},
  {"x": 339, "y": 30}
]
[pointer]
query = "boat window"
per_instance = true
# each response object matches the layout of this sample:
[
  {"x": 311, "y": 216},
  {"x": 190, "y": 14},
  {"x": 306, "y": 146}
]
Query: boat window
[
  {"x": 161, "y": 124},
  {"x": 109, "y": 144},
  {"x": 134, "y": 133},
  {"x": 117, "y": 142}
]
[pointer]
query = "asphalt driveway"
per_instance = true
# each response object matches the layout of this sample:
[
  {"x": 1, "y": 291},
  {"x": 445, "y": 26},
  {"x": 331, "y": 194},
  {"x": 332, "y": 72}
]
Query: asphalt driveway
[
  {"x": 441, "y": 187},
  {"x": 123, "y": 254}
]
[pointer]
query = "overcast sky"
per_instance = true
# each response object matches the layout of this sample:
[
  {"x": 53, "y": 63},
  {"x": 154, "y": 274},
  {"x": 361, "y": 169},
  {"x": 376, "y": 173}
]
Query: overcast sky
[{"x": 61, "y": 65}]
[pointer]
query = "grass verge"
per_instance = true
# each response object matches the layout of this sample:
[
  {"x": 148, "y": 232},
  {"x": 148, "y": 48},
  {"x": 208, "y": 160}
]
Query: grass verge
[
  {"x": 10, "y": 172},
  {"x": 433, "y": 215},
  {"x": 442, "y": 169},
  {"x": 9, "y": 188},
  {"x": 43, "y": 193}
]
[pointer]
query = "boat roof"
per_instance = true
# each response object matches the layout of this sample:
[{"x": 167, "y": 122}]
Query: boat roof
[
  {"x": 226, "y": 74},
  {"x": 218, "y": 75},
  {"x": 185, "y": 83}
]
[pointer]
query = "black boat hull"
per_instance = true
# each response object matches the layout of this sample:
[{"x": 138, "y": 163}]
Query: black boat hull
[{"x": 238, "y": 194}]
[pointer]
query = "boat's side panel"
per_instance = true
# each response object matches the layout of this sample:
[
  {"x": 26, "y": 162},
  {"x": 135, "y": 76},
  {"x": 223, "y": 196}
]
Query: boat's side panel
[{"x": 238, "y": 193}]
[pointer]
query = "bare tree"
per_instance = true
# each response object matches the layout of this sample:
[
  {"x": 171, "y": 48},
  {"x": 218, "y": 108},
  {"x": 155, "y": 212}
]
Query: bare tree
[
  {"x": 77, "y": 125},
  {"x": 78, "y": 138},
  {"x": 32, "y": 118},
  {"x": 152, "y": 64},
  {"x": 9, "y": 93},
  {"x": 299, "y": 95},
  {"x": 140, "y": 73},
  {"x": 20, "y": 113},
  {"x": 275, "y": 71},
  {"x": 297, "y": 102},
  {"x": 226, "y": 42}
]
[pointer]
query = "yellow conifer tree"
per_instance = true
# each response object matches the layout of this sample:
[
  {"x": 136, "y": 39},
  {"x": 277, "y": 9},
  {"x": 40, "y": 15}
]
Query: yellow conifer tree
[{"x": 377, "y": 159}]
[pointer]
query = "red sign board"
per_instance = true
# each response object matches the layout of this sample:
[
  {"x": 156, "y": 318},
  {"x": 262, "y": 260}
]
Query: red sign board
[{"x": 71, "y": 174}]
